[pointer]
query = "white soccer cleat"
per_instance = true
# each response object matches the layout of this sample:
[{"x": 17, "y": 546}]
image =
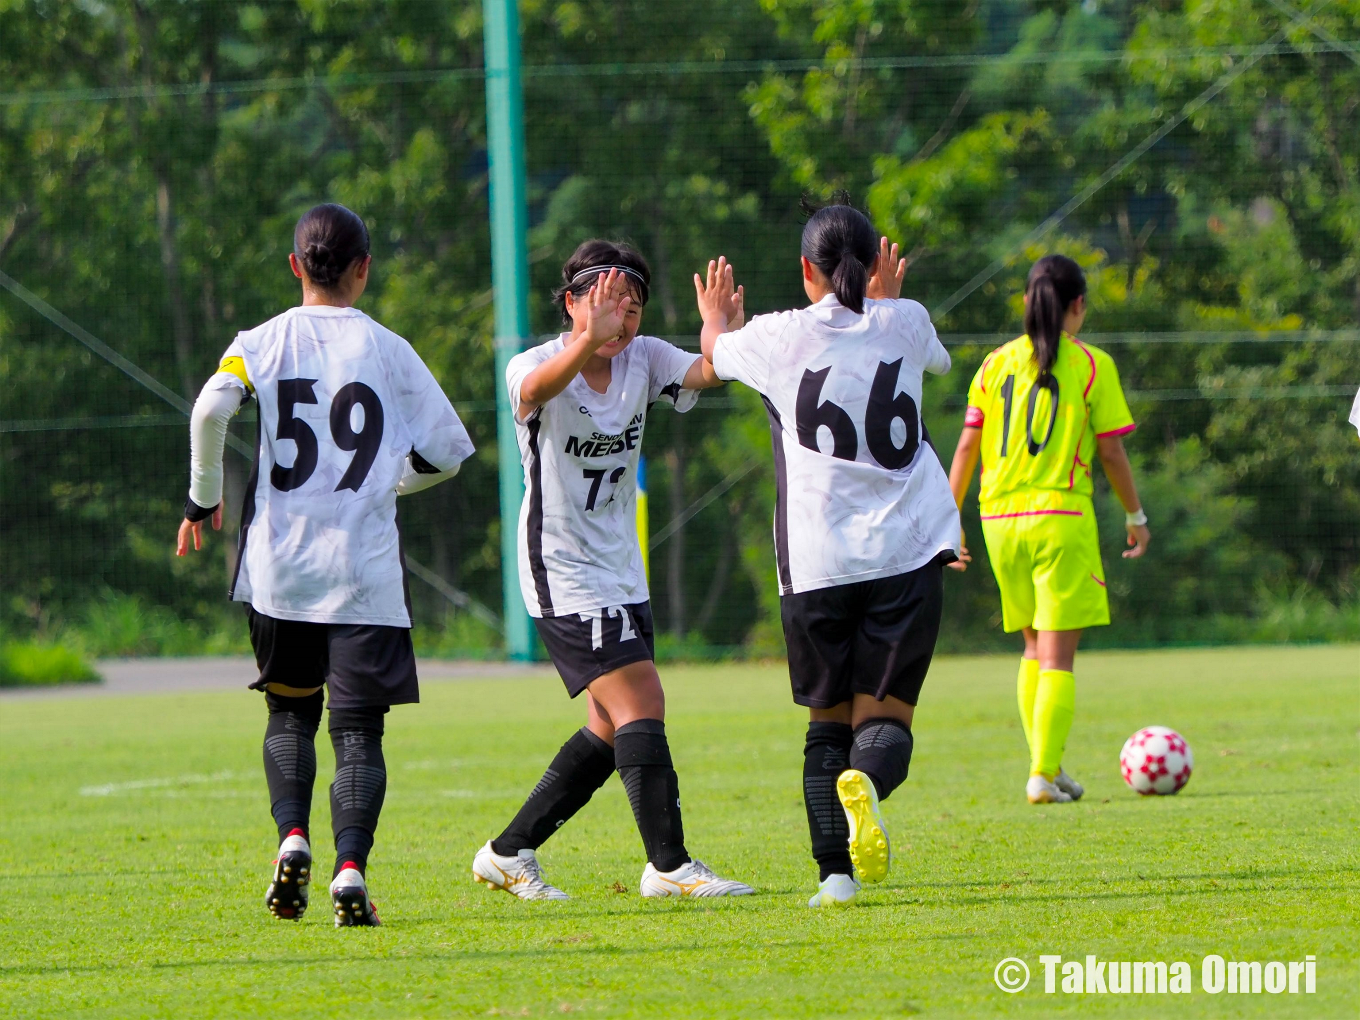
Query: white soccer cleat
[
  {"x": 692, "y": 879},
  {"x": 286, "y": 896},
  {"x": 836, "y": 891},
  {"x": 349, "y": 896},
  {"x": 870, "y": 851},
  {"x": 1068, "y": 785},
  {"x": 521, "y": 875},
  {"x": 1042, "y": 791}
]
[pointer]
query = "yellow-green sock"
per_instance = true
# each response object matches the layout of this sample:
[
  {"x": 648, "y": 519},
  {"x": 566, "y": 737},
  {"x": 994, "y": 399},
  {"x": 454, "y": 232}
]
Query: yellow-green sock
[
  {"x": 1055, "y": 699},
  {"x": 1025, "y": 685}
]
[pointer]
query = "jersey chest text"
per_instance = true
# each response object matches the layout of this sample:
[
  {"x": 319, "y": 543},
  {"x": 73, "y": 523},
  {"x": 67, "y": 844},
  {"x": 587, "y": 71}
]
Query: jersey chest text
[{"x": 604, "y": 444}]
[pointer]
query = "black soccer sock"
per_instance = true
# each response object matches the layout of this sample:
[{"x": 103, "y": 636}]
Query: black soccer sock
[
  {"x": 882, "y": 751},
  {"x": 290, "y": 759},
  {"x": 643, "y": 758},
  {"x": 360, "y": 782},
  {"x": 826, "y": 754},
  {"x": 581, "y": 767}
]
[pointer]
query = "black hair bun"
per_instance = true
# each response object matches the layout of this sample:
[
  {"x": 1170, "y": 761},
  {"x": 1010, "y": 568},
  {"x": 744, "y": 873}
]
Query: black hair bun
[{"x": 327, "y": 241}]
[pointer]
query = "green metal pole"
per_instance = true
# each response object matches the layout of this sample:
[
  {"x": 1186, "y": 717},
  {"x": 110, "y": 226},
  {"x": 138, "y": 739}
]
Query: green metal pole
[{"x": 510, "y": 280}]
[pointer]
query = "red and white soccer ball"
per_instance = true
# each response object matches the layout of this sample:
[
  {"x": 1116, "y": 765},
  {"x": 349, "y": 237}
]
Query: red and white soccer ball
[{"x": 1156, "y": 760}]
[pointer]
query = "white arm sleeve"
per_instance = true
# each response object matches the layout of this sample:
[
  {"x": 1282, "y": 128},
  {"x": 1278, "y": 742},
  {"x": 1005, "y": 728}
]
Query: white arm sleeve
[
  {"x": 219, "y": 401},
  {"x": 1355, "y": 412}
]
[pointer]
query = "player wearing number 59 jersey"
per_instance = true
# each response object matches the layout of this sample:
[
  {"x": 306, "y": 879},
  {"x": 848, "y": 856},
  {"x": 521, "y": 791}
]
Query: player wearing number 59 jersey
[
  {"x": 863, "y": 522},
  {"x": 1040, "y": 410},
  {"x": 581, "y": 403},
  {"x": 349, "y": 417}
]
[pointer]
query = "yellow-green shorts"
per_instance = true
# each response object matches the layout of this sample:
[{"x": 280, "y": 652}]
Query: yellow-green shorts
[{"x": 1047, "y": 565}]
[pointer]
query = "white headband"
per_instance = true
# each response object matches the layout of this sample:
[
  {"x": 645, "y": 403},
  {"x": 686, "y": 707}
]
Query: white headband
[{"x": 604, "y": 269}]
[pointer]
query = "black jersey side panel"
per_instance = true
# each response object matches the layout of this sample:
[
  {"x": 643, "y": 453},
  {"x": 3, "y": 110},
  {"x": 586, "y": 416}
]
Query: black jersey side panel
[
  {"x": 781, "y": 500},
  {"x": 247, "y": 510},
  {"x": 535, "y": 522}
]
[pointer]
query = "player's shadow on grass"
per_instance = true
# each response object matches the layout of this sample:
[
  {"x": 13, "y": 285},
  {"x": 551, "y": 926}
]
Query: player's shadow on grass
[{"x": 574, "y": 950}]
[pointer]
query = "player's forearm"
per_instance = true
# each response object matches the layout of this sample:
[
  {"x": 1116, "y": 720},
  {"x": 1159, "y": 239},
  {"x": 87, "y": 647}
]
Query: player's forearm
[
  {"x": 219, "y": 400},
  {"x": 701, "y": 376},
  {"x": 715, "y": 325},
  {"x": 964, "y": 464},
  {"x": 554, "y": 375},
  {"x": 1115, "y": 459}
]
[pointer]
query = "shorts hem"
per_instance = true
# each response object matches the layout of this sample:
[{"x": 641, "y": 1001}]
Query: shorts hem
[
  {"x": 579, "y": 683},
  {"x": 331, "y": 703},
  {"x": 1067, "y": 626}
]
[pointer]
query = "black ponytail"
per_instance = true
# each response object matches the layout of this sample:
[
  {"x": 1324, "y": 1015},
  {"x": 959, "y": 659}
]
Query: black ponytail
[
  {"x": 327, "y": 241},
  {"x": 1054, "y": 283},
  {"x": 840, "y": 241}
]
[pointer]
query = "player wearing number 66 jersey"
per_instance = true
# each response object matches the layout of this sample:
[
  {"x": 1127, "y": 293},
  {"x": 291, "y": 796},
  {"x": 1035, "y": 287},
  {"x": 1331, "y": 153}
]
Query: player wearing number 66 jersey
[
  {"x": 581, "y": 403},
  {"x": 1040, "y": 410},
  {"x": 863, "y": 521},
  {"x": 349, "y": 417}
]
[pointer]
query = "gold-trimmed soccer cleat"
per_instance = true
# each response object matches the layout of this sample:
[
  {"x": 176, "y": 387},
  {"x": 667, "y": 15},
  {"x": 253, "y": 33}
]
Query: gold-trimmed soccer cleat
[
  {"x": 520, "y": 875},
  {"x": 870, "y": 850},
  {"x": 692, "y": 880}
]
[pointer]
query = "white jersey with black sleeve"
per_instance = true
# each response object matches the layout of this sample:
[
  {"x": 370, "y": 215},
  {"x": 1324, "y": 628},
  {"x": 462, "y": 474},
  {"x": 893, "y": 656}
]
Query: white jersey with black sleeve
[
  {"x": 860, "y": 493},
  {"x": 578, "y": 541},
  {"x": 347, "y": 411}
]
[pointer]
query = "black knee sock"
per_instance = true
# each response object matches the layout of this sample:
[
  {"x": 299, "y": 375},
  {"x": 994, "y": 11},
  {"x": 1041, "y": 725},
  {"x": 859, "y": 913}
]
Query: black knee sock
[
  {"x": 360, "y": 782},
  {"x": 826, "y": 754},
  {"x": 643, "y": 758},
  {"x": 290, "y": 759},
  {"x": 882, "y": 751},
  {"x": 581, "y": 767}
]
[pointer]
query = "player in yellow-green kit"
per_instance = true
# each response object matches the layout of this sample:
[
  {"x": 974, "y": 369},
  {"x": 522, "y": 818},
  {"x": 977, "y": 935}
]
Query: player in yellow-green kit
[{"x": 1040, "y": 410}]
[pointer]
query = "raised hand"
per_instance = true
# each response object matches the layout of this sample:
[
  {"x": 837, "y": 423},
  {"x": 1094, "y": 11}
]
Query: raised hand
[
  {"x": 718, "y": 296},
  {"x": 889, "y": 272},
  {"x": 607, "y": 304}
]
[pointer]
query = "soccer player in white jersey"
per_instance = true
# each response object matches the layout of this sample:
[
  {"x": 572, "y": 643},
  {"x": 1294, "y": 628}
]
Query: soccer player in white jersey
[
  {"x": 581, "y": 402},
  {"x": 864, "y": 521},
  {"x": 349, "y": 417}
]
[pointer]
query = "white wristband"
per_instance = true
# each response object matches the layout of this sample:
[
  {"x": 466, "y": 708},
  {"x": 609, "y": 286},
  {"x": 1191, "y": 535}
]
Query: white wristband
[{"x": 1137, "y": 519}]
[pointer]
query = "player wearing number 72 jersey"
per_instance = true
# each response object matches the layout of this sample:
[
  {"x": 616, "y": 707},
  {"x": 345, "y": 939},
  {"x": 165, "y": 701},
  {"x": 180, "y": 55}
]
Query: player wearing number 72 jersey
[
  {"x": 581, "y": 402},
  {"x": 349, "y": 417}
]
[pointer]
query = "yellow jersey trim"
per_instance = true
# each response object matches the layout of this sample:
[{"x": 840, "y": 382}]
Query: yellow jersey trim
[{"x": 237, "y": 367}]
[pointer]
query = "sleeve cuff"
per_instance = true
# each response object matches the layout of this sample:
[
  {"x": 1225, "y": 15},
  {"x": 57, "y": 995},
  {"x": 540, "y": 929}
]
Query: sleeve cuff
[
  {"x": 1117, "y": 432},
  {"x": 973, "y": 418},
  {"x": 195, "y": 513}
]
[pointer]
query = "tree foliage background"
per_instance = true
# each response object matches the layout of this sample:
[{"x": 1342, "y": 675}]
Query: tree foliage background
[{"x": 154, "y": 156}]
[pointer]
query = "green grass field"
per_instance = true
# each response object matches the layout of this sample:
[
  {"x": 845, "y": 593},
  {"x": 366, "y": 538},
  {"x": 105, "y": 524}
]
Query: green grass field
[{"x": 136, "y": 842}]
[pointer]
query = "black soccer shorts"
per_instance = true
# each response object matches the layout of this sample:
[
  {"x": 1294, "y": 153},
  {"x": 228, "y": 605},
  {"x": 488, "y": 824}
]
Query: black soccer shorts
[
  {"x": 364, "y": 666},
  {"x": 585, "y": 646},
  {"x": 870, "y": 637}
]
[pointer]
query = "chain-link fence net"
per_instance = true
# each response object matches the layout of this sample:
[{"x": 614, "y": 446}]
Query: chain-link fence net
[{"x": 1200, "y": 160}]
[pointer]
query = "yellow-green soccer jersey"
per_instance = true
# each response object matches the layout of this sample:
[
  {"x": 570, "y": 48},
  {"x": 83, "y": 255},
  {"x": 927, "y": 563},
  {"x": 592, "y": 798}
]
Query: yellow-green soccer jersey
[{"x": 1044, "y": 437}]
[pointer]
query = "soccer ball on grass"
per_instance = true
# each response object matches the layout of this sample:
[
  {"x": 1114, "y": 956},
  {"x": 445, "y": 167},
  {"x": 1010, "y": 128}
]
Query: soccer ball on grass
[{"x": 1156, "y": 760}]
